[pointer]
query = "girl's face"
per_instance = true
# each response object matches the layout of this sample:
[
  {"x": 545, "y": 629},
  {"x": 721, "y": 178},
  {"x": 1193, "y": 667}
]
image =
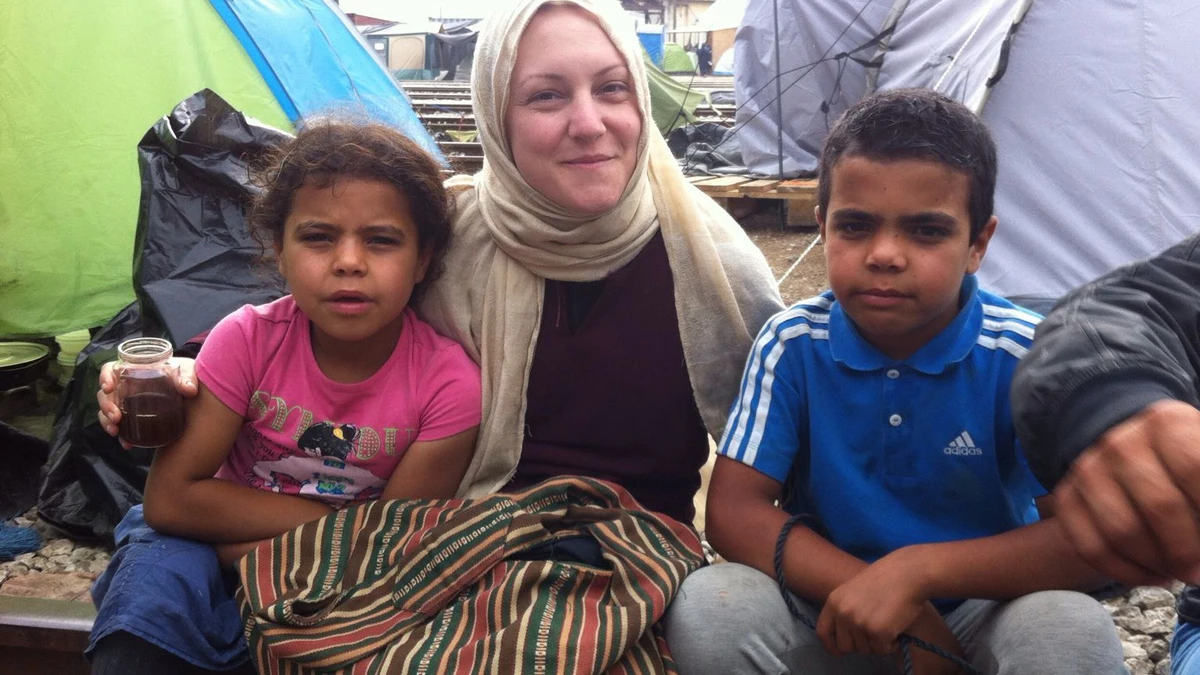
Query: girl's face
[
  {"x": 351, "y": 256},
  {"x": 572, "y": 118}
]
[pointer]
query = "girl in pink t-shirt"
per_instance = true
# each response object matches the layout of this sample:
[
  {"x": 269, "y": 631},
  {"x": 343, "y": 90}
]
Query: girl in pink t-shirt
[
  {"x": 336, "y": 392},
  {"x": 333, "y": 394}
]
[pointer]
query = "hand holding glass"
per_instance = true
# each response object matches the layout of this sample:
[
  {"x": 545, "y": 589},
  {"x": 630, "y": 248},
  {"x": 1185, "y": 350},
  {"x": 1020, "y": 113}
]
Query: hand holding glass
[{"x": 151, "y": 407}]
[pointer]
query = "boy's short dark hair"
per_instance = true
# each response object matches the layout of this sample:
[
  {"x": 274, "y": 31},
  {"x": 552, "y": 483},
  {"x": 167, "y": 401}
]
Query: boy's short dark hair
[
  {"x": 916, "y": 124},
  {"x": 326, "y": 150}
]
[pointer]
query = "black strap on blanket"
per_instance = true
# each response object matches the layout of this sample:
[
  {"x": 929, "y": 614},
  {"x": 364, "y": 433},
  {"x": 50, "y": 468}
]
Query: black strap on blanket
[{"x": 906, "y": 641}]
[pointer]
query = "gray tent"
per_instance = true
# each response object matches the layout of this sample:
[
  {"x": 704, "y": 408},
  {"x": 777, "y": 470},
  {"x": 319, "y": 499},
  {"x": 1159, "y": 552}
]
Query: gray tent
[{"x": 1093, "y": 107}]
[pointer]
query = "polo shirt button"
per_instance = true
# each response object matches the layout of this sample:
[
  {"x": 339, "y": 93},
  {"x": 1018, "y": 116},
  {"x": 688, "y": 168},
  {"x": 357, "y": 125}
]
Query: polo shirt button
[
  {"x": 895, "y": 420},
  {"x": 893, "y": 374}
]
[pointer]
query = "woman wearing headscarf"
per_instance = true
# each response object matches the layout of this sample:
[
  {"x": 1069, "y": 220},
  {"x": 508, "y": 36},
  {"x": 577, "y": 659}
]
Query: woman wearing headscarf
[{"x": 609, "y": 303}]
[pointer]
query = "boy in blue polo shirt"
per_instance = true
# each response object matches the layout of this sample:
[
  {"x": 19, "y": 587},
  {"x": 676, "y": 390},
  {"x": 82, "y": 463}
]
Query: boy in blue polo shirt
[{"x": 880, "y": 410}]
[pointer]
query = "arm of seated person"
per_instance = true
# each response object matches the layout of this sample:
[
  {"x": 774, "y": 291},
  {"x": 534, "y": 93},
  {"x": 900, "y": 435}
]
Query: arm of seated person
[
  {"x": 1036, "y": 557},
  {"x": 888, "y": 595},
  {"x": 184, "y": 499},
  {"x": 1128, "y": 502},
  {"x": 432, "y": 469},
  {"x": 428, "y": 470},
  {"x": 742, "y": 522}
]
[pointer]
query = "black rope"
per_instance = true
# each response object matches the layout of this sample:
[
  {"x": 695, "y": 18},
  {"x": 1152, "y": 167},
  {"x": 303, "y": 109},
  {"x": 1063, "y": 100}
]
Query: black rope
[{"x": 906, "y": 641}]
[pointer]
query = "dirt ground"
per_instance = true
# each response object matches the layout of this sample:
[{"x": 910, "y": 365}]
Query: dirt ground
[{"x": 796, "y": 257}]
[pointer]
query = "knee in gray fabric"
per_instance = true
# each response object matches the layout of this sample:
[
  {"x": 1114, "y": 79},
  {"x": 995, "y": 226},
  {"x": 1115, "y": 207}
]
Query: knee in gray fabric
[
  {"x": 726, "y": 614},
  {"x": 1060, "y": 632},
  {"x": 727, "y": 588}
]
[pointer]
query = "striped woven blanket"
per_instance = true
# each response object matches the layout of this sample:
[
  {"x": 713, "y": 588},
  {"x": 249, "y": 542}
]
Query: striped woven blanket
[{"x": 431, "y": 586}]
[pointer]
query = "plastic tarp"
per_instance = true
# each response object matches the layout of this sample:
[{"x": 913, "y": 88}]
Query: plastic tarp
[
  {"x": 720, "y": 15},
  {"x": 90, "y": 480},
  {"x": 651, "y": 38},
  {"x": 1093, "y": 113},
  {"x": 672, "y": 103},
  {"x": 850, "y": 49},
  {"x": 954, "y": 47},
  {"x": 82, "y": 81},
  {"x": 24, "y": 455},
  {"x": 195, "y": 263},
  {"x": 299, "y": 42},
  {"x": 1097, "y": 139},
  {"x": 825, "y": 49},
  {"x": 706, "y": 148}
]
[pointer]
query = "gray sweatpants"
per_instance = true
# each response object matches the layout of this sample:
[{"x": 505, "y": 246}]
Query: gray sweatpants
[{"x": 729, "y": 619}]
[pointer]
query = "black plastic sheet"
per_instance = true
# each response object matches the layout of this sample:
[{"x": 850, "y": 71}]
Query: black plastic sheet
[
  {"x": 91, "y": 481},
  {"x": 194, "y": 259},
  {"x": 706, "y": 148},
  {"x": 194, "y": 262}
]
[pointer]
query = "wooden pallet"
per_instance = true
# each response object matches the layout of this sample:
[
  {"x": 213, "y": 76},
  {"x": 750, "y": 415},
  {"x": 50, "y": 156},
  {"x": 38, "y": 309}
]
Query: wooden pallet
[{"x": 799, "y": 195}]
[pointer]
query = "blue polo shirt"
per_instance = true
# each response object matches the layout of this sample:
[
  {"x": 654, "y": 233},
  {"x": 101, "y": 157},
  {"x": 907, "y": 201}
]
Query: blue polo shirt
[{"x": 882, "y": 453}]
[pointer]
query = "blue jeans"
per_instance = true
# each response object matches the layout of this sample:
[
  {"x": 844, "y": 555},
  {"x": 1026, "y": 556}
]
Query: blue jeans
[
  {"x": 1185, "y": 649},
  {"x": 170, "y": 592}
]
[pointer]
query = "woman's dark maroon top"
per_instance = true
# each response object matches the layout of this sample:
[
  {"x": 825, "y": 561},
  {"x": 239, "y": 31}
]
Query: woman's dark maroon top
[{"x": 609, "y": 394}]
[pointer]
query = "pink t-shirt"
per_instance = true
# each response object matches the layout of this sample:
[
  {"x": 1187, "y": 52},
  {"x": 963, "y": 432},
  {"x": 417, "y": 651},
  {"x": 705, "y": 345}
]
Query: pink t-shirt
[{"x": 307, "y": 435}]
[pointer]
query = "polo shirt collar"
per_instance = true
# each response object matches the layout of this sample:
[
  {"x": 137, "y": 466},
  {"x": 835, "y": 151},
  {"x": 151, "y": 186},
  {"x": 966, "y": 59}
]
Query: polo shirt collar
[{"x": 950, "y": 346}]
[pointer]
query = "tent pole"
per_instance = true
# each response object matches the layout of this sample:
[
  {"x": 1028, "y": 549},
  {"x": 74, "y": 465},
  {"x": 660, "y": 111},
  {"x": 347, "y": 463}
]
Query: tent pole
[{"x": 779, "y": 107}]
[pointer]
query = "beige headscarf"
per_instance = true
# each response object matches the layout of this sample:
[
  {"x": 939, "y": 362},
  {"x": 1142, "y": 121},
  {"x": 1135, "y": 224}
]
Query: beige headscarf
[{"x": 509, "y": 238}]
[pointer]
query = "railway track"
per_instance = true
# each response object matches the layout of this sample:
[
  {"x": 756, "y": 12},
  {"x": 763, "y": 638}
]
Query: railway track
[{"x": 44, "y": 637}]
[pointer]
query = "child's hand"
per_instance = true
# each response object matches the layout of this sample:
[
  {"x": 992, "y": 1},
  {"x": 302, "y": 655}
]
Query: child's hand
[
  {"x": 931, "y": 627},
  {"x": 110, "y": 414},
  {"x": 867, "y": 614}
]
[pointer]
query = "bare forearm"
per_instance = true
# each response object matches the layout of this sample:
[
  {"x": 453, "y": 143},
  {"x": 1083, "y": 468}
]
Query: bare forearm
[
  {"x": 230, "y": 554},
  {"x": 747, "y": 533},
  {"x": 1033, "y": 558},
  {"x": 220, "y": 511}
]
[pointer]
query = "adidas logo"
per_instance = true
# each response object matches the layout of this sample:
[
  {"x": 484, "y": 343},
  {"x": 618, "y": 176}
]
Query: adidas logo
[{"x": 963, "y": 444}]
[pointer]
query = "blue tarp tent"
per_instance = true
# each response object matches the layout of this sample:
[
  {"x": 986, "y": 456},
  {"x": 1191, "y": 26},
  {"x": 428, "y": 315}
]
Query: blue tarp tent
[{"x": 651, "y": 37}]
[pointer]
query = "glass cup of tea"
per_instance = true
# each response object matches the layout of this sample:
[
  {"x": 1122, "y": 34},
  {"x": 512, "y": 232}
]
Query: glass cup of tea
[{"x": 151, "y": 406}]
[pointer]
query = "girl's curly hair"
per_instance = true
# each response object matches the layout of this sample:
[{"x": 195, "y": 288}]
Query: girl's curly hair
[{"x": 327, "y": 150}]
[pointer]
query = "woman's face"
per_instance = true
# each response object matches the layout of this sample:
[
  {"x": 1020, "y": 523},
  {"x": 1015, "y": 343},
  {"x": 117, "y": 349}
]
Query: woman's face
[{"x": 572, "y": 119}]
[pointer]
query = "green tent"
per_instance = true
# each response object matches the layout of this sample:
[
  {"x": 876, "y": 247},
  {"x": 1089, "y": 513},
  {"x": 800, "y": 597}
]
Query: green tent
[
  {"x": 672, "y": 104},
  {"x": 82, "y": 81},
  {"x": 676, "y": 60}
]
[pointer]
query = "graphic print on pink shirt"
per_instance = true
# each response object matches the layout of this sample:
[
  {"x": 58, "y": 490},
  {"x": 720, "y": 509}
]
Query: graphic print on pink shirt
[
  {"x": 307, "y": 435},
  {"x": 322, "y": 470}
]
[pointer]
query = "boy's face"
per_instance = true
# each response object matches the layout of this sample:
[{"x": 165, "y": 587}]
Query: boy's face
[{"x": 897, "y": 245}]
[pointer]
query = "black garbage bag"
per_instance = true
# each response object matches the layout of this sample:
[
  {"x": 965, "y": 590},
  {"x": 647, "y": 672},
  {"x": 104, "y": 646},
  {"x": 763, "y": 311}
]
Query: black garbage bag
[
  {"x": 90, "y": 480},
  {"x": 194, "y": 259},
  {"x": 194, "y": 262},
  {"x": 706, "y": 148}
]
